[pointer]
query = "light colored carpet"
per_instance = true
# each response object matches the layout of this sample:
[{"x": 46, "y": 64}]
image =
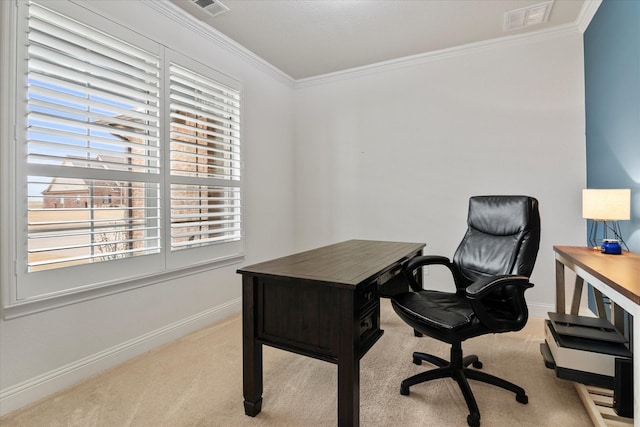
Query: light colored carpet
[{"x": 197, "y": 381}]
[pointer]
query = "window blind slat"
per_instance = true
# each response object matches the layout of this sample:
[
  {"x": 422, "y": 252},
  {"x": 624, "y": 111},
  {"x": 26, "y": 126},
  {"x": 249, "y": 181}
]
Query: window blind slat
[
  {"x": 198, "y": 117},
  {"x": 38, "y": 68},
  {"x": 67, "y": 87},
  {"x": 64, "y": 138},
  {"x": 185, "y": 138},
  {"x": 75, "y": 148},
  {"x": 41, "y": 175},
  {"x": 193, "y": 83},
  {"x": 135, "y": 112},
  {"x": 39, "y": 14},
  {"x": 181, "y": 73},
  {"x": 188, "y": 143},
  {"x": 213, "y": 108},
  {"x": 81, "y": 246},
  {"x": 202, "y": 132},
  {"x": 194, "y": 168},
  {"x": 107, "y": 122},
  {"x": 98, "y": 164},
  {"x": 202, "y": 241},
  {"x": 74, "y": 260},
  {"x": 75, "y": 142},
  {"x": 100, "y": 67},
  {"x": 46, "y": 227},
  {"x": 182, "y": 134},
  {"x": 201, "y": 160},
  {"x": 61, "y": 122}
]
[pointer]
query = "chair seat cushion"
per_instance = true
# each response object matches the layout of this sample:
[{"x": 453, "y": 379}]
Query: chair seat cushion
[{"x": 434, "y": 309}]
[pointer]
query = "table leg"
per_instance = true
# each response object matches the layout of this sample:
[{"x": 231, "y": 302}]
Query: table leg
[
  {"x": 348, "y": 363},
  {"x": 251, "y": 349},
  {"x": 617, "y": 317},
  {"x": 577, "y": 295},
  {"x": 560, "y": 298},
  {"x": 599, "y": 300},
  {"x": 597, "y": 297}
]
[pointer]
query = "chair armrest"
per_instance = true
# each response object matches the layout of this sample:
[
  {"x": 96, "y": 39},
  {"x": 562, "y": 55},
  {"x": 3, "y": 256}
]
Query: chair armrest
[
  {"x": 420, "y": 261},
  {"x": 481, "y": 287},
  {"x": 498, "y": 302}
]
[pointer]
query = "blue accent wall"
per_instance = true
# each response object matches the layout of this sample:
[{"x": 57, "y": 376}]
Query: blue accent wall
[{"x": 612, "y": 96}]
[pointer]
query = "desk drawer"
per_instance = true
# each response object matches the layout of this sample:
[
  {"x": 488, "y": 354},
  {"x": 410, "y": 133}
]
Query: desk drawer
[
  {"x": 370, "y": 330},
  {"x": 369, "y": 324},
  {"x": 366, "y": 296},
  {"x": 390, "y": 274}
]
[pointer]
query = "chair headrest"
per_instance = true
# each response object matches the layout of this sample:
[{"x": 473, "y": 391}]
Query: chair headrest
[{"x": 503, "y": 215}]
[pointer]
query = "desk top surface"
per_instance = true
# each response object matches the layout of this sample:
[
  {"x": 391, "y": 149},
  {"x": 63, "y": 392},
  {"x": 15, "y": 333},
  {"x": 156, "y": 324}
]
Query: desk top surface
[
  {"x": 346, "y": 263},
  {"x": 620, "y": 272}
]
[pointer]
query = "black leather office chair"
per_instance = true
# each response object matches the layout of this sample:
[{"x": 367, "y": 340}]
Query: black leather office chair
[{"x": 491, "y": 270}]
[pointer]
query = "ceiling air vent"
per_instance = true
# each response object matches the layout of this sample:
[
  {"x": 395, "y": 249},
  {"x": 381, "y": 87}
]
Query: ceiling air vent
[
  {"x": 532, "y": 15},
  {"x": 213, "y": 7}
]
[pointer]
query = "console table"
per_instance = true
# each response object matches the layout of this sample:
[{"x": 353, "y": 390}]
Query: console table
[
  {"x": 616, "y": 276},
  {"x": 322, "y": 303}
]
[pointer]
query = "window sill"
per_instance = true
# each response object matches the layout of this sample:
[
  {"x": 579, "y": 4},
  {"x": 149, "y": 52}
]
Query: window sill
[{"x": 28, "y": 307}]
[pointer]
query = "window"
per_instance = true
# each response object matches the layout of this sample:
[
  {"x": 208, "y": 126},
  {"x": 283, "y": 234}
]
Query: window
[
  {"x": 129, "y": 155},
  {"x": 93, "y": 127},
  {"x": 204, "y": 160}
]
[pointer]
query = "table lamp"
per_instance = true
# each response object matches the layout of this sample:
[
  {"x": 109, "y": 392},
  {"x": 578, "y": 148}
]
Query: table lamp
[{"x": 606, "y": 207}]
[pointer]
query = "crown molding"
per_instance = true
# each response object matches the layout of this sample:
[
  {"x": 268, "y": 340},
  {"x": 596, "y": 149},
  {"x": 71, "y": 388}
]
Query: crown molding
[
  {"x": 408, "y": 61},
  {"x": 184, "y": 19},
  {"x": 588, "y": 11}
]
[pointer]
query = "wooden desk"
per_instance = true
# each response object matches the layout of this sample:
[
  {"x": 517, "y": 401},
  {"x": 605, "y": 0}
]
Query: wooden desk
[
  {"x": 322, "y": 303},
  {"x": 616, "y": 276}
]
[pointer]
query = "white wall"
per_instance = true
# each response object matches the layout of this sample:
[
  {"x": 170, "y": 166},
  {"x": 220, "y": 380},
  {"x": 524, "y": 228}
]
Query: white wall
[
  {"x": 395, "y": 154},
  {"x": 43, "y": 352}
]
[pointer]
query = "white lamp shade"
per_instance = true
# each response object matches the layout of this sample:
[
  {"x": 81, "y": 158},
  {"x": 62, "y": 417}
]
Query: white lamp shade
[{"x": 606, "y": 205}]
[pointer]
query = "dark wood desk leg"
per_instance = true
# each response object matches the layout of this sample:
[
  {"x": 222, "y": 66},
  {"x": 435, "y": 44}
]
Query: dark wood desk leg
[
  {"x": 251, "y": 350},
  {"x": 348, "y": 362},
  {"x": 560, "y": 298},
  {"x": 420, "y": 280}
]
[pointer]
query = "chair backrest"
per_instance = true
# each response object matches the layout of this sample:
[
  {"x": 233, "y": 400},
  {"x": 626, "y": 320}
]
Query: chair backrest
[{"x": 503, "y": 237}]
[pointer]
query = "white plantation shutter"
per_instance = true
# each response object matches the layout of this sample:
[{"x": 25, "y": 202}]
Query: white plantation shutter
[
  {"x": 204, "y": 160},
  {"x": 126, "y": 159},
  {"x": 92, "y": 144}
]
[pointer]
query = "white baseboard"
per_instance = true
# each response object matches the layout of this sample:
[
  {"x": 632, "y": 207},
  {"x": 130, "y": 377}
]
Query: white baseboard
[
  {"x": 540, "y": 310},
  {"x": 19, "y": 395}
]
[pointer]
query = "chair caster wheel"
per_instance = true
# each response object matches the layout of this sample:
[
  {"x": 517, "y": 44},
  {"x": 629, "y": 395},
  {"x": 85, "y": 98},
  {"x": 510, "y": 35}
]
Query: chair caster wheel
[
  {"x": 477, "y": 364},
  {"x": 522, "y": 398},
  {"x": 404, "y": 390},
  {"x": 473, "y": 420}
]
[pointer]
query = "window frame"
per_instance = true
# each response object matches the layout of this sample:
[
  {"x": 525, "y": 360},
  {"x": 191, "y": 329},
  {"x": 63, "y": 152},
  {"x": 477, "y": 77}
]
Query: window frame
[{"x": 131, "y": 272}]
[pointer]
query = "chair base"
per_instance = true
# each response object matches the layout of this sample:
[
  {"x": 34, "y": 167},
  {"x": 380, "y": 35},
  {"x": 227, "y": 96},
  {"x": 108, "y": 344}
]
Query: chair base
[{"x": 457, "y": 369}]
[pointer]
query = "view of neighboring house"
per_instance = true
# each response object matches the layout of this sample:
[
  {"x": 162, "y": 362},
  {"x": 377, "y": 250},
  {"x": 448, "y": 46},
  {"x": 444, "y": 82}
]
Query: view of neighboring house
[{"x": 79, "y": 193}]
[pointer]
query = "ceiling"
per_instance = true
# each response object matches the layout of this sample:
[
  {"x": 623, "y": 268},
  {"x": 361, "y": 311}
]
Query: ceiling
[{"x": 307, "y": 38}]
